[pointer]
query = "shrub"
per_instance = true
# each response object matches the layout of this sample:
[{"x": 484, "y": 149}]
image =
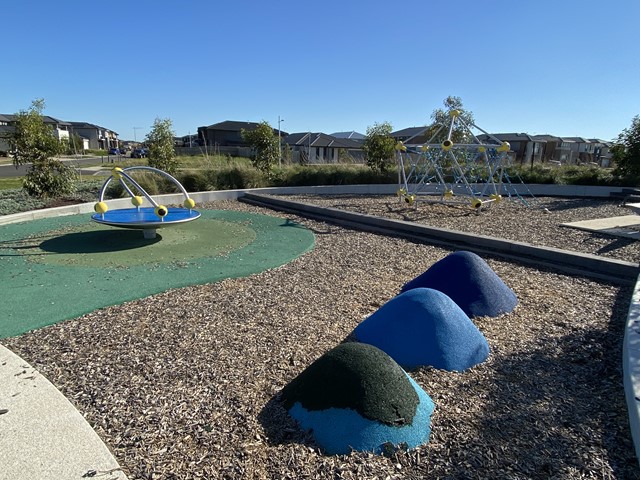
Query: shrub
[{"x": 152, "y": 183}]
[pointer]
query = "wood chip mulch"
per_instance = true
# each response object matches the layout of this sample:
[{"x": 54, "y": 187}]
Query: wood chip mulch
[{"x": 184, "y": 384}]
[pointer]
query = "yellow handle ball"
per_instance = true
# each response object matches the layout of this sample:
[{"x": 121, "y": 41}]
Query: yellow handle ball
[
  {"x": 446, "y": 145},
  {"x": 161, "y": 211},
  {"x": 476, "y": 203},
  {"x": 136, "y": 200},
  {"x": 189, "y": 203},
  {"x": 101, "y": 207},
  {"x": 505, "y": 147}
]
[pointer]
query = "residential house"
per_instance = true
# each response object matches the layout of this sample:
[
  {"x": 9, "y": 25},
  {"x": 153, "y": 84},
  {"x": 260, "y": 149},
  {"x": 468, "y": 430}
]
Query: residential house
[
  {"x": 227, "y": 133},
  {"x": 94, "y": 136},
  {"x": 581, "y": 149},
  {"x": 524, "y": 148},
  {"x": 307, "y": 147},
  {"x": 601, "y": 152},
  {"x": 560, "y": 149},
  {"x": 60, "y": 128}
]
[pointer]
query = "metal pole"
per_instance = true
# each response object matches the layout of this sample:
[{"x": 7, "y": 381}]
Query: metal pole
[{"x": 279, "y": 142}]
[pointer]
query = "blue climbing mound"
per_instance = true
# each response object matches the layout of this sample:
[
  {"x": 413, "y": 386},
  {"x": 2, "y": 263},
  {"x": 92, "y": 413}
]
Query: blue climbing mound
[
  {"x": 355, "y": 397},
  {"x": 424, "y": 327},
  {"x": 470, "y": 282}
]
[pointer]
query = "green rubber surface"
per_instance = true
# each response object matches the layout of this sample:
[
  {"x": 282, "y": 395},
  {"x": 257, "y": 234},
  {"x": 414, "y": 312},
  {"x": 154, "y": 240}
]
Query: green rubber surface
[{"x": 60, "y": 268}]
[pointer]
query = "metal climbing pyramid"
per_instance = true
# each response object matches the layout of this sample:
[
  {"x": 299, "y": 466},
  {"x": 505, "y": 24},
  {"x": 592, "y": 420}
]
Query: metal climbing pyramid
[{"x": 473, "y": 173}]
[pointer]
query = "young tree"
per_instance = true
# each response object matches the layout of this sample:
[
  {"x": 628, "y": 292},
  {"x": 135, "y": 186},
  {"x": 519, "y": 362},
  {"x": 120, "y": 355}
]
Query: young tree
[
  {"x": 162, "y": 151},
  {"x": 379, "y": 146},
  {"x": 626, "y": 151},
  {"x": 33, "y": 142},
  {"x": 440, "y": 117},
  {"x": 265, "y": 144}
]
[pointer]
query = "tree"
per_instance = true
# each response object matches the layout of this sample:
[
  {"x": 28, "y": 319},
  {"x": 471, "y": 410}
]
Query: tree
[
  {"x": 626, "y": 151},
  {"x": 162, "y": 151},
  {"x": 441, "y": 117},
  {"x": 265, "y": 144},
  {"x": 33, "y": 142},
  {"x": 379, "y": 146}
]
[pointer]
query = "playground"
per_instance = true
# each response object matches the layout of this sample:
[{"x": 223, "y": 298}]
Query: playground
[{"x": 185, "y": 383}]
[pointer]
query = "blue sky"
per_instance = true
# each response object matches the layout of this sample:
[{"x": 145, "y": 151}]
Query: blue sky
[{"x": 564, "y": 67}]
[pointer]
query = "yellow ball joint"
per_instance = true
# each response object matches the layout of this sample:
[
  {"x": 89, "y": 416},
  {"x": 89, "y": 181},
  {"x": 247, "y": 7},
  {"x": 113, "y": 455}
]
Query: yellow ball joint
[
  {"x": 189, "y": 203},
  {"x": 476, "y": 203},
  {"x": 401, "y": 192},
  {"x": 448, "y": 194},
  {"x": 161, "y": 211},
  {"x": 495, "y": 197},
  {"x": 446, "y": 145},
  {"x": 101, "y": 207},
  {"x": 400, "y": 147},
  {"x": 136, "y": 201},
  {"x": 117, "y": 173},
  {"x": 424, "y": 148},
  {"x": 454, "y": 113},
  {"x": 410, "y": 199},
  {"x": 482, "y": 149},
  {"x": 505, "y": 147}
]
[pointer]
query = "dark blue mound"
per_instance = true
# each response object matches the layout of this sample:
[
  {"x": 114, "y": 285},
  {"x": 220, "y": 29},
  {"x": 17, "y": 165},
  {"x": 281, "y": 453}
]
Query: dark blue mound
[
  {"x": 424, "y": 327},
  {"x": 470, "y": 282}
]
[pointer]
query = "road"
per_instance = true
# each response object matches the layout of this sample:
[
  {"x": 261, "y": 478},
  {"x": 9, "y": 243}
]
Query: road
[{"x": 9, "y": 170}]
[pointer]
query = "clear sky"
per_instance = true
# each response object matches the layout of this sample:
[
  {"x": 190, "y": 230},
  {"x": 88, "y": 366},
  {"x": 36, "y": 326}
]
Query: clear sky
[{"x": 563, "y": 67}]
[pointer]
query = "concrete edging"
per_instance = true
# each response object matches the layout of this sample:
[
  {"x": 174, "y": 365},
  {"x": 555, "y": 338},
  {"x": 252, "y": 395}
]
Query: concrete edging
[
  {"x": 631, "y": 366},
  {"x": 572, "y": 262}
]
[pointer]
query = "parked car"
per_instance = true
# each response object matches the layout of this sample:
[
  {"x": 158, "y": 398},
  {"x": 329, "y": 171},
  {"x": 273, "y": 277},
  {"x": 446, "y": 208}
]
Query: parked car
[
  {"x": 139, "y": 153},
  {"x": 114, "y": 151}
]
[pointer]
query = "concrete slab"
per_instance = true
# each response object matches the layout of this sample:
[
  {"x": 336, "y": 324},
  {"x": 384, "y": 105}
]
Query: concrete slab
[
  {"x": 615, "y": 226},
  {"x": 42, "y": 435},
  {"x": 635, "y": 207}
]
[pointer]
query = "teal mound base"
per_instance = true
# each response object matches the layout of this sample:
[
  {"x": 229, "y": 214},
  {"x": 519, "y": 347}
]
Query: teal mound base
[
  {"x": 61, "y": 268},
  {"x": 424, "y": 327},
  {"x": 355, "y": 397},
  {"x": 470, "y": 282}
]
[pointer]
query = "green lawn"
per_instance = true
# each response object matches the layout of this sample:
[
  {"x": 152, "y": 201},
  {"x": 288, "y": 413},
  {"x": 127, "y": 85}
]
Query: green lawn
[{"x": 10, "y": 182}]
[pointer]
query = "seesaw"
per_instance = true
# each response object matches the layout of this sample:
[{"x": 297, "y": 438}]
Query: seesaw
[{"x": 147, "y": 219}]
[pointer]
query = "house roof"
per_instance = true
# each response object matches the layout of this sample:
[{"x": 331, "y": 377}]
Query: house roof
[
  {"x": 232, "y": 126},
  {"x": 349, "y": 135},
  {"x": 545, "y": 137},
  {"x": 85, "y": 125},
  {"x": 320, "y": 140},
  {"x": 6, "y": 117},
  {"x": 576, "y": 139},
  {"x": 408, "y": 132},
  {"x": 510, "y": 137}
]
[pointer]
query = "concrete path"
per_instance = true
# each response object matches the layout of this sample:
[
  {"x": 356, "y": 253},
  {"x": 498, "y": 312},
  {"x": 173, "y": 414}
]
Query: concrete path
[
  {"x": 616, "y": 226},
  {"x": 42, "y": 435}
]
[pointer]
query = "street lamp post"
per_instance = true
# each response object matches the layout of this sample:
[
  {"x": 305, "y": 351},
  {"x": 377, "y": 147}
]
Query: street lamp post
[
  {"x": 134, "y": 133},
  {"x": 280, "y": 120}
]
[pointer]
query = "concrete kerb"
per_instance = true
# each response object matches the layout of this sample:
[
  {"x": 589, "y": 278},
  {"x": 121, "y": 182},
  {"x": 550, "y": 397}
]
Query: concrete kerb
[
  {"x": 589, "y": 265},
  {"x": 631, "y": 366}
]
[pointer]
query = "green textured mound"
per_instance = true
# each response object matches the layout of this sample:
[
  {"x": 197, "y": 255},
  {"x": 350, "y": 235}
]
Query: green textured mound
[{"x": 356, "y": 376}]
